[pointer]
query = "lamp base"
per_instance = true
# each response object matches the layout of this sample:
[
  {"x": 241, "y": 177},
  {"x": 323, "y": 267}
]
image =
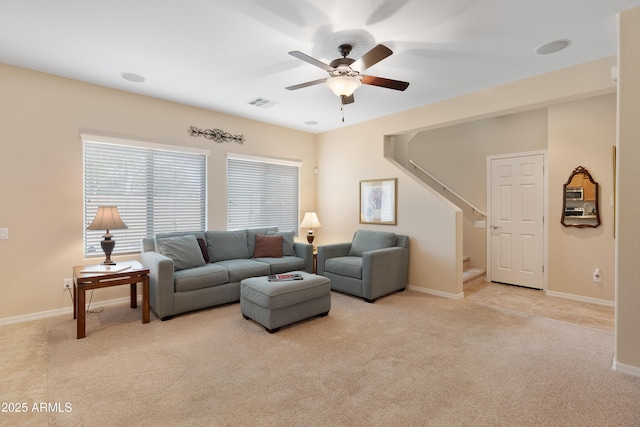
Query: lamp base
[
  {"x": 310, "y": 237},
  {"x": 107, "y": 246}
]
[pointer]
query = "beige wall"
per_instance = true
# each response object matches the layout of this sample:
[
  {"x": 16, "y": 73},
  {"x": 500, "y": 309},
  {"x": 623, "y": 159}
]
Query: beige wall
[
  {"x": 582, "y": 133},
  {"x": 356, "y": 152},
  {"x": 628, "y": 196},
  {"x": 466, "y": 147},
  {"x": 41, "y": 173},
  {"x": 576, "y": 133}
]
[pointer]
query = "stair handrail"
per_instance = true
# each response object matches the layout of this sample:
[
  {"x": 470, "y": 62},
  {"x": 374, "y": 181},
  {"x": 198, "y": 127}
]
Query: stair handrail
[{"x": 446, "y": 188}]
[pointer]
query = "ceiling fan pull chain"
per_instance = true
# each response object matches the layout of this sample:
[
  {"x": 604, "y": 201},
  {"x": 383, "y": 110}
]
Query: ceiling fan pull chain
[{"x": 342, "y": 109}]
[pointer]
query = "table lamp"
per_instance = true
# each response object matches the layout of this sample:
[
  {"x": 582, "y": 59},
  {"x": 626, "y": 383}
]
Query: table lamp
[
  {"x": 107, "y": 218},
  {"x": 310, "y": 221}
]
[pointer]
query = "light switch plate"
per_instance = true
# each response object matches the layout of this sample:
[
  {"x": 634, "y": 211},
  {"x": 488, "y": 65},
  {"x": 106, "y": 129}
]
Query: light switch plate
[
  {"x": 4, "y": 233},
  {"x": 480, "y": 224}
]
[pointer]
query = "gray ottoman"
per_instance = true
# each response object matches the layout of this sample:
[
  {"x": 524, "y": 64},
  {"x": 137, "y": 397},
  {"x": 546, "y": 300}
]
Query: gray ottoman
[{"x": 276, "y": 304}]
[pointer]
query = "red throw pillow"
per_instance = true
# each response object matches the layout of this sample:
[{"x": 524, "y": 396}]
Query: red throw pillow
[{"x": 268, "y": 246}]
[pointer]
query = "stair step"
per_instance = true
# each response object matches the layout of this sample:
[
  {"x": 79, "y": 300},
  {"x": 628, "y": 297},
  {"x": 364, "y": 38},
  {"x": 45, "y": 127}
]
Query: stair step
[
  {"x": 465, "y": 262},
  {"x": 473, "y": 275}
]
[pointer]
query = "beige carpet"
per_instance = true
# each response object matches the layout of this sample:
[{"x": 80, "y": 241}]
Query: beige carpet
[{"x": 409, "y": 359}]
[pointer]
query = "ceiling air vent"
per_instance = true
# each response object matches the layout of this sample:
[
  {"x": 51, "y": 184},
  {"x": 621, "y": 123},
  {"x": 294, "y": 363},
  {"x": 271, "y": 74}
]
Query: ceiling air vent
[{"x": 262, "y": 103}]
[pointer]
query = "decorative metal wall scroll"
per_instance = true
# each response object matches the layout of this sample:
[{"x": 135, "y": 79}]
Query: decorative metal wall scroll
[{"x": 216, "y": 135}]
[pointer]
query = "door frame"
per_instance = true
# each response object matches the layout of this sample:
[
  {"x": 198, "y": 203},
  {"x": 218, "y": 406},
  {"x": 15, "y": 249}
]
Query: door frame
[{"x": 545, "y": 209}]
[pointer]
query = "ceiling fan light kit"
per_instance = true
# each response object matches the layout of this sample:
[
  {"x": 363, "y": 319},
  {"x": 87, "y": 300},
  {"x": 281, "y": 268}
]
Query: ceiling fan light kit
[{"x": 344, "y": 85}]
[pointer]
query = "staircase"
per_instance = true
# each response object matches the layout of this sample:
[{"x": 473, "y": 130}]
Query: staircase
[{"x": 471, "y": 275}]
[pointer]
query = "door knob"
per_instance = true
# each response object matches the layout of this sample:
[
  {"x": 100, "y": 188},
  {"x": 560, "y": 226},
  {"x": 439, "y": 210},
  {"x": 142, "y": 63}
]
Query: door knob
[{"x": 495, "y": 227}]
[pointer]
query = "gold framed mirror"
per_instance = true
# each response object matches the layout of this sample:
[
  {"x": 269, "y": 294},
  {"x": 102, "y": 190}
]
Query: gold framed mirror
[{"x": 580, "y": 204}]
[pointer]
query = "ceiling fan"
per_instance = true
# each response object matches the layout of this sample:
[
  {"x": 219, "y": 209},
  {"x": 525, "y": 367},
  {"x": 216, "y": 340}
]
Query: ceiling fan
[{"x": 345, "y": 73}]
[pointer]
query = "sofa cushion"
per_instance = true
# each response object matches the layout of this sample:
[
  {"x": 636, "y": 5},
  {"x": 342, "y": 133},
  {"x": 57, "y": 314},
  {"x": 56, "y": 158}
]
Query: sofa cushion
[
  {"x": 368, "y": 240},
  {"x": 350, "y": 266},
  {"x": 284, "y": 264},
  {"x": 184, "y": 251},
  {"x": 268, "y": 246},
  {"x": 197, "y": 234},
  {"x": 225, "y": 245},
  {"x": 287, "y": 241},
  {"x": 200, "y": 277},
  {"x": 251, "y": 237},
  {"x": 242, "y": 268}
]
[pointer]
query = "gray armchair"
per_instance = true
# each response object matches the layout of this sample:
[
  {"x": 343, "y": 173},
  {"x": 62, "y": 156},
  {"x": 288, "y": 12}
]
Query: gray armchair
[{"x": 373, "y": 265}]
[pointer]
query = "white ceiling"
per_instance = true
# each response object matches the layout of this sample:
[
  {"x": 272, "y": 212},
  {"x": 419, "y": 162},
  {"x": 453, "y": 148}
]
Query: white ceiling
[{"x": 222, "y": 54}]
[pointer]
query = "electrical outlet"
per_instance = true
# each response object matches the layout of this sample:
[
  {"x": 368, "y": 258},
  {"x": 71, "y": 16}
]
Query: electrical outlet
[
  {"x": 596, "y": 276},
  {"x": 68, "y": 283}
]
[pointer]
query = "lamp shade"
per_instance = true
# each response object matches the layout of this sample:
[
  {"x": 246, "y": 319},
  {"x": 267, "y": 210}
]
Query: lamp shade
[
  {"x": 344, "y": 85},
  {"x": 107, "y": 218},
  {"x": 310, "y": 220}
]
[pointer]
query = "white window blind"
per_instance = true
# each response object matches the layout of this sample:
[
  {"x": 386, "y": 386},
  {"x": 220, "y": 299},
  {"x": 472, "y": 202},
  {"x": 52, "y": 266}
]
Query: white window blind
[
  {"x": 155, "y": 189},
  {"x": 262, "y": 193}
]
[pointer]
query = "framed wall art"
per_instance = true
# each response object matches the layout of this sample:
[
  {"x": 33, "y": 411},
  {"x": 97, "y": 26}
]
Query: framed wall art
[{"x": 378, "y": 201}]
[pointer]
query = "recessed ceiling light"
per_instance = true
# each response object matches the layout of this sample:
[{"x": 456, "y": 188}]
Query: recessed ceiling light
[
  {"x": 553, "y": 47},
  {"x": 311, "y": 122},
  {"x": 136, "y": 78}
]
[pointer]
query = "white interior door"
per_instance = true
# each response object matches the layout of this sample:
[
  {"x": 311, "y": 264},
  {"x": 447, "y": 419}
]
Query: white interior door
[{"x": 517, "y": 220}]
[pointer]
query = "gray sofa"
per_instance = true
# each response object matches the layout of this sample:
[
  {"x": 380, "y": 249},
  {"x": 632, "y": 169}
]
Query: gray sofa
[
  {"x": 374, "y": 264},
  {"x": 193, "y": 270}
]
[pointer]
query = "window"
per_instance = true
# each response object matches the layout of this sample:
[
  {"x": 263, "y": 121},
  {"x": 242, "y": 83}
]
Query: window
[
  {"x": 262, "y": 192},
  {"x": 156, "y": 189}
]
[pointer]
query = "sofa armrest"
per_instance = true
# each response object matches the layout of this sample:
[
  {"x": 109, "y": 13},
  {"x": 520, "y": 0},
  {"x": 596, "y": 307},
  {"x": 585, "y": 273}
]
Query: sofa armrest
[
  {"x": 334, "y": 250},
  {"x": 305, "y": 251},
  {"x": 161, "y": 282},
  {"x": 384, "y": 271}
]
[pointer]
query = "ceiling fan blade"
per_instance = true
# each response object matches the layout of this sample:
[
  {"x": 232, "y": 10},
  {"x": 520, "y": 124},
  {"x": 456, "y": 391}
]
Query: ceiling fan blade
[
  {"x": 307, "y": 84},
  {"x": 348, "y": 99},
  {"x": 372, "y": 57},
  {"x": 382, "y": 82},
  {"x": 310, "y": 60}
]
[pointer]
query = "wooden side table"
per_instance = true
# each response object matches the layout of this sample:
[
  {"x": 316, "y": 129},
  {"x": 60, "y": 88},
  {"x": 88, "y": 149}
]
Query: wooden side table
[{"x": 84, "y": 278}]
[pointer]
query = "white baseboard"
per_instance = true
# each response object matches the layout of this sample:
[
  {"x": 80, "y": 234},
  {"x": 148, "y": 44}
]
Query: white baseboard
[
  {"x": 69, "y": 310},
  {"x": 436, "y": 292},
  {"x": 581, "y": 298},
  {"x": 626, "y": 369},
  {"x": 57, "y": 312}
]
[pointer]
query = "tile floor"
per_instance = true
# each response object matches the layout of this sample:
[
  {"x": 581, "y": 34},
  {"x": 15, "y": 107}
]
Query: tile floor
[{"x": 536, "y": 302}]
